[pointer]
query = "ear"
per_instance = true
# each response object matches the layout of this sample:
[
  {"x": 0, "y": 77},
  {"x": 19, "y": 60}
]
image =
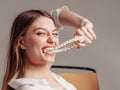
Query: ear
[{"x": 21, "y": 43}]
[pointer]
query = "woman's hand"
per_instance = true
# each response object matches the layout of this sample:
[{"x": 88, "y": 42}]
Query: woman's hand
[{"x": 85, "y": 30}]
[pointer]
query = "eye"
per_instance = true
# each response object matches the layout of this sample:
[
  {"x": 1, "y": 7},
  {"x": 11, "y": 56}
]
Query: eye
[
  {"x": 55, "y": 34},
  {"x": 41, "y": 33}
]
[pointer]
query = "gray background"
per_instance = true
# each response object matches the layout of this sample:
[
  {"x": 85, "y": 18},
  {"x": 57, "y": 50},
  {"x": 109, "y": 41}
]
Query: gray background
[{"x": 103, "y": 54}]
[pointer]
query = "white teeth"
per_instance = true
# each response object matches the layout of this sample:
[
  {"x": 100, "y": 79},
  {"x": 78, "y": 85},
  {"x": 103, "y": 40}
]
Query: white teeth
[
  {"x": 48, "y": 49},
  {"x": 64, "y": 46}
]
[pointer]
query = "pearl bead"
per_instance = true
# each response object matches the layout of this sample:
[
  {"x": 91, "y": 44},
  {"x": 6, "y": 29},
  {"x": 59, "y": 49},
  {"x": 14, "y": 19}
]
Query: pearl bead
[{"x": 65, "y": 45}]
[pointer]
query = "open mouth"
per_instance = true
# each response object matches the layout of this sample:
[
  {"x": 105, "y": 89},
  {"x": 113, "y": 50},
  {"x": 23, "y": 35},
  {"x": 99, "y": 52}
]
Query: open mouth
[{"x": 48, "y": 50}]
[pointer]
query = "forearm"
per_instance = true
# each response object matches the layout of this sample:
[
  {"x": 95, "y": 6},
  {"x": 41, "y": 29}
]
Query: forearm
[
  {"x": 65, "y": 17},
  {"x": 69, "y": 18}
]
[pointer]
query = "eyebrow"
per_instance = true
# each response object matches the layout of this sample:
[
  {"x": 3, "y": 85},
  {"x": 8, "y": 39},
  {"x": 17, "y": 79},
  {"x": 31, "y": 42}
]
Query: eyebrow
[{"x": 43, "y": 29}]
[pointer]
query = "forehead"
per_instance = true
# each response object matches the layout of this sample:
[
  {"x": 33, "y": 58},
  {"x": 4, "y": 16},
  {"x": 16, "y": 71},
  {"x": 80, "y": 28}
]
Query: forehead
[{"x": 43, "y": 22}]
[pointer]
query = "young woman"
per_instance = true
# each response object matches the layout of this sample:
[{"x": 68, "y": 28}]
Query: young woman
[{"x": 32, "y": 32}]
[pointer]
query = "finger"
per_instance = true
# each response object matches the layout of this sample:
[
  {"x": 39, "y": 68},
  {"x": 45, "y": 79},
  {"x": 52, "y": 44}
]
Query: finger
[
  {"x": 85, "y": 31},
  {"x": 90, "y": 30},
  {"x": 80, "y": 32},
  {"x": 79, "y": 45},
  {"x": 85, "y": 22}
]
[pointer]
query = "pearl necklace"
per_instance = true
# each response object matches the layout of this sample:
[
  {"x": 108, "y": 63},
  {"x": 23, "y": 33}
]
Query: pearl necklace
[{"x": 67, "y": 45}]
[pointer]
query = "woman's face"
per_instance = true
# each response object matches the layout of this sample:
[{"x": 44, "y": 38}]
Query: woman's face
[{"x": 41, "y": 35}]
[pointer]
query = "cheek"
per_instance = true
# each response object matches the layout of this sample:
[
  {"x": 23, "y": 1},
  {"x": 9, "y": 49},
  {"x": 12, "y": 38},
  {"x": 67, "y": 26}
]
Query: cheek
[
  {"x": 33, "y": 46},
  {"x": 34, "y": 42},
  {"x": 33, "y": 50}
]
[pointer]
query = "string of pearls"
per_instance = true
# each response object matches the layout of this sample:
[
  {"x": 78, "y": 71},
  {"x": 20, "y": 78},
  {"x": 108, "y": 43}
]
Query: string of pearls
[{"x": 67, "y": 45}]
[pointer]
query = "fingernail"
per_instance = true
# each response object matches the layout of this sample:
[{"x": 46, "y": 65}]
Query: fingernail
[{"x": 78, "y": 48}]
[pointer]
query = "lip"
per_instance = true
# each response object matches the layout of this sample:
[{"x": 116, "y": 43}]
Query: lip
[{"x": 44, "y": 50}]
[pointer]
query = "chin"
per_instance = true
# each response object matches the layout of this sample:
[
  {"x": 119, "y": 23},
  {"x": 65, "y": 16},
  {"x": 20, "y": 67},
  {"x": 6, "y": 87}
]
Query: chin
[{"x": 49, "y": 59}]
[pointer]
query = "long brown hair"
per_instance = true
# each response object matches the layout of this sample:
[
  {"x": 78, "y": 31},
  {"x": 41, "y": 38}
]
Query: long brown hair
[{"x": 15, "y": 54}]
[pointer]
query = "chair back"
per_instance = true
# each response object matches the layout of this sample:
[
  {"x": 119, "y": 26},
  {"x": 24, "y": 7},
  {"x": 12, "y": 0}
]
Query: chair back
[{"x": 81, "y": 80}]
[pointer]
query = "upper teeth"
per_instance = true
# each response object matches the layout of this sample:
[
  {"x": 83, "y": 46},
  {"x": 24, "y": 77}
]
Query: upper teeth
[{"x": 48, "y": 49}]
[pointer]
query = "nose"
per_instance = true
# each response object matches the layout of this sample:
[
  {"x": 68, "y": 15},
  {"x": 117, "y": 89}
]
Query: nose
[{"x": 51, "y": 40}]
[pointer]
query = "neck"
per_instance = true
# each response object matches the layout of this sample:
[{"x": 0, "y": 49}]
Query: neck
[{"x": 37, "y": 71}]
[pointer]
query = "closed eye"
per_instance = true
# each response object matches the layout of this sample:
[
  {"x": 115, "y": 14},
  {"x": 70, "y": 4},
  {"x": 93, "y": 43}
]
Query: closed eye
[{"x": 41, "y": 33}]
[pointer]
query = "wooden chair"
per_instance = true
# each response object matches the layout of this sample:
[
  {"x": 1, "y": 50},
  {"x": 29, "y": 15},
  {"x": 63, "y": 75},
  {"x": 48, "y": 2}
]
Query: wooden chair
[{"x": 81, "y": 80}]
